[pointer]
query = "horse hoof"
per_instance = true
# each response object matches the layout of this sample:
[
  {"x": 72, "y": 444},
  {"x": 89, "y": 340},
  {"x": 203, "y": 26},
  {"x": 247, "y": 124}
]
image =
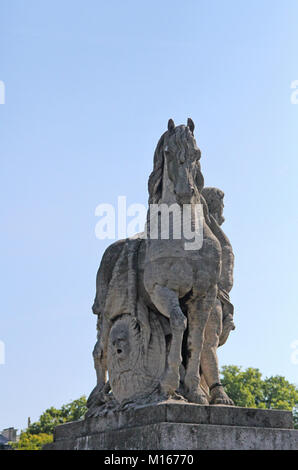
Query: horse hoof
[
  {"x": 168, "y": 389},
  {"x": 222, "y": 401},
  {"x": 197, "y": 397},
  {"x": 170, "y": 383},
  {"x": 219, "y": 397}
]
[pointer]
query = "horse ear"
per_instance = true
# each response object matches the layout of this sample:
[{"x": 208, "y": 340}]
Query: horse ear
[
  {"x": 171, "y": 125},
  {"x": 190, "y": 125}
]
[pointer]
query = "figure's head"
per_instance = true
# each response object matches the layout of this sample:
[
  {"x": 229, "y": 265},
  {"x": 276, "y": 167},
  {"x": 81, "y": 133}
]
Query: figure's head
[
  {"x": 178, "y": 153},
  {"x": 119, "y": 338},
  {"x": 214, "y": 199}
]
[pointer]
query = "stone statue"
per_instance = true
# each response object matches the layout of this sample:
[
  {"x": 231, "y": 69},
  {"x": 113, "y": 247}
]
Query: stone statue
[{"x": 162, "y": 302}]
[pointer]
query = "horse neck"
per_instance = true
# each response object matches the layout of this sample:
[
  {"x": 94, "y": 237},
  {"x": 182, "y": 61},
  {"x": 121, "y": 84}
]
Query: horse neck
[{"x": 168, "y": 196}]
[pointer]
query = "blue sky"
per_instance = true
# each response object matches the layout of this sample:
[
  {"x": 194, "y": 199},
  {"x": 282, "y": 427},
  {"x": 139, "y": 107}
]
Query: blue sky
[{"x": 90, "y": 87}]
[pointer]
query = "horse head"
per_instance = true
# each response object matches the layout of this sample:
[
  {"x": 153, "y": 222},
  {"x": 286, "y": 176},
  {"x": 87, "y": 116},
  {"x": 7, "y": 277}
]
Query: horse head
[{"x": 176, "y": 175}]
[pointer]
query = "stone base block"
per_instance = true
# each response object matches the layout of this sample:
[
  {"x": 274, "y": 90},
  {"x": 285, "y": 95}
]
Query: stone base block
[{"x": 180, "y": 426}]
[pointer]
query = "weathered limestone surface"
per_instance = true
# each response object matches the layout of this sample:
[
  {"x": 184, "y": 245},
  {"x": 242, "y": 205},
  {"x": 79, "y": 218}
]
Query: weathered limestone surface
[
  {"x": 162, "y": 296},
  {"x": 181, "y": 426}
]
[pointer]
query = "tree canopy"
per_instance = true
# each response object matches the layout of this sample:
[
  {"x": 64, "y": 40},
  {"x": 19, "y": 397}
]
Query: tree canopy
[
  {"x": 52, "y": 417},
  {"x": 29, "y": 441},
  {"x": 41, "y": 432},
  {"x": 248, "y": 389}
]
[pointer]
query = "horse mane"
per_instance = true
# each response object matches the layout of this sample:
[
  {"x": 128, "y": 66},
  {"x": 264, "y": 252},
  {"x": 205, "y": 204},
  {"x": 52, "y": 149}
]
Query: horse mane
[{"x": 155, "y": 178}]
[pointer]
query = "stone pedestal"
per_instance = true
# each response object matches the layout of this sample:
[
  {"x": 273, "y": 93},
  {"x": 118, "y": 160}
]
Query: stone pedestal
[{"x": 176, "y": 425}]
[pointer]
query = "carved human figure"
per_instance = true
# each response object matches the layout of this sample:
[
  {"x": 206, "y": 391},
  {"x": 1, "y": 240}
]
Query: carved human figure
[{"x": 220, "y": 321}]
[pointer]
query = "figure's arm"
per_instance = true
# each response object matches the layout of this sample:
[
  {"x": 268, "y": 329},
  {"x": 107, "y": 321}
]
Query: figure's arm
[
  {"x": 226, "y": 278},
  {"x": 226, "y": 281}
]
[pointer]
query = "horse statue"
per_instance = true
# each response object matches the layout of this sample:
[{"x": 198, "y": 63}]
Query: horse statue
[{"x": 160, "y": 298}]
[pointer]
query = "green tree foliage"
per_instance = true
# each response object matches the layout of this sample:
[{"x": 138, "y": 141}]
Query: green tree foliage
[
  {"x": 52, "y": 417},
  {"x": 248, "y": 389},
  {"x": 29, "y": 441},
  {"x": 41, "y": 432}
]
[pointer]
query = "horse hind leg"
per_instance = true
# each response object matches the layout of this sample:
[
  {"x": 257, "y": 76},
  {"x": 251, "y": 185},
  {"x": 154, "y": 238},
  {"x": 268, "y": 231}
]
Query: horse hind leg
[
  {"x": 209, "y": 361},
  {"x": 167, "y": 303},
  {"x": 199, "y": 309}
]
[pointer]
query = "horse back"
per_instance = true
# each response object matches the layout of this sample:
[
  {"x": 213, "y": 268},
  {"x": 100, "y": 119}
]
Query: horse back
[{"x": 104, "y": 274}]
